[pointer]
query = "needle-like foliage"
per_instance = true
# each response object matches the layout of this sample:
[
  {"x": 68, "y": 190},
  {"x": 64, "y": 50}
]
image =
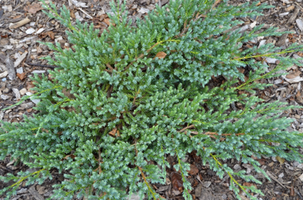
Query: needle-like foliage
[{"x": 120, "y": 102}]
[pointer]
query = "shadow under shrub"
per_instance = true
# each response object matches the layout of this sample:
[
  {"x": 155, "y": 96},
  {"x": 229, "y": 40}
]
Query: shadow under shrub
[{"x": 119, "y": 103}]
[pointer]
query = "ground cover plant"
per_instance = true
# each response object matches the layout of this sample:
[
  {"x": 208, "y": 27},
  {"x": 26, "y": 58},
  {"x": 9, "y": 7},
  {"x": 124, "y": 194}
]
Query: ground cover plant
[{"x": 121, "y": 101}]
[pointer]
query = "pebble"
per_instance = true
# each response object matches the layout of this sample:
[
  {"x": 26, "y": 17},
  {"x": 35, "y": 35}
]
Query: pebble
[
  {"x": 262, "y": 42},
  {"x": 36, "y": 101},
  {"x": 300, "y": 24},
  {"x": 17, "y": 93},
  {"x": 39, "y": 31},
  {"x": 19, "y": 70},
  {"x": 206, "y": 184},
  {"x": 143, "y": 10},
  {"x": 237, "y": 166},
  {"x": 38, "y": 71},
  {"x": 134, "y": 197},
  {"x": 6, "y": 90},
  {"x": 271, "y": 60},
  {"x": 4, "y": 97},
  {"x": 3, "y": 74},
  {"x": 27, "y": 105},
  {"x": 23, "y": 91},
  {"x": 30, "y": 31},
  {"x": 283, "y": 14}
]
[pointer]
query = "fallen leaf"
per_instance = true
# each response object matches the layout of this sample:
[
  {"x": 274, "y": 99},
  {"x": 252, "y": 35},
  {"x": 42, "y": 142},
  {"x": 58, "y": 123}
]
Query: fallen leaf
[
  {"x": 30, "y": 85},
  {"x": 68, "y": 94},
  {"x": 176, "y": 181},
  {"x": 72, "y": 14},
  {"x": 161, "y": 55},
  {"x": 71, "y": 155},
  {"x": 114, "y": 132},
  {"x": 107, "y": 21},
  {"x": 249, "y": 184},
  {"x": 281, "y": 160},
  {"x": 21, "y": 76},
  {"x": 293, "y": 75},
  {"x": 299, "y": 98},
  {"x": 193, "y": 170},
  {"x": 48, "y": 33},
  {"x": 79, "y": 4},
  {"x": 241, "y": 70},
  {"x": 35, "y": 7}
]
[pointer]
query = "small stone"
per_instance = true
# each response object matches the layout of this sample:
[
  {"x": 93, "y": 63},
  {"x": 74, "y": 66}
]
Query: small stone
[
  {"x": 206, "y": 183},
  {"x": 36, "y": 101},
  {"x": 300, "y": 59},
  {"x": 300, "y": 24},
  {"x": 4, "y": 97},
  {"x": 23, "y": 91},
  {"x": 244, "y": 28},
  {"x": 16, "y": 93},
  {"x": 237, "y": 166},
  {"x": 3, "y": 74},
  {"x": 38, "y": 71},
  {"x": 134, "y": 197},
  {"x": 30, "y": 31},
  {"x": 143, "y": 10},
  {"x": 27, "y": 105},
  {"x": 271, "y": 60},
  {"x": 39, "y": 31},
  {"x": 262, "y": 42},
  {"x": 6, "y": 90},
  {"x": 301, "y": 177},
  {"x": 300, "y": 166},
  {"x": 283, "y": 14},
  {"x": 19, "y": 70},
  {"x": 22, "y": 191},
  {"x": 252, "y": 25}
]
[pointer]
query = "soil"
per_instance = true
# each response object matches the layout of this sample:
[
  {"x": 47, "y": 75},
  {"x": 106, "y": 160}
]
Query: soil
[{"x": 20, "y": 50}]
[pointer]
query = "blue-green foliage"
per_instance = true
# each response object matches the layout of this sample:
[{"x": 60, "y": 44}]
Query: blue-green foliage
[{"x": 114, "y": 108}]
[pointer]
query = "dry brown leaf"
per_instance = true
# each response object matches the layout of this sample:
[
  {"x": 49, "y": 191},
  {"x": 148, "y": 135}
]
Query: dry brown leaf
[
  {"x": 72, "y": 14},
  {"x": 281, "y": 160},
  {"x": 30, "y": 85},
  {"x": 107, "y": 21},
  {"x": 300, "y": 54},
  {"x": 299, "y": 98},
  {"x": 177, "y": 182},
  {"x": 193, "y": 170},
  {"x": 21, "y": 76},
  {"x": 48, "y": 33},
  {"x": 114, "y": 133},
  {"x": 293, "y": 75},
  {"x": 68, "y": 94},
  {"x": 161, "y": 55},
  {"x": 35, "y": 7},
  {"x": 71, "y": 155},
  {"x": 241, "y": 70}
]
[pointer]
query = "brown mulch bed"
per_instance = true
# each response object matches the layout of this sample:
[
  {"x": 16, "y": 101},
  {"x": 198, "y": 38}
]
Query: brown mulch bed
[{"x": 22, "y": 25}]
